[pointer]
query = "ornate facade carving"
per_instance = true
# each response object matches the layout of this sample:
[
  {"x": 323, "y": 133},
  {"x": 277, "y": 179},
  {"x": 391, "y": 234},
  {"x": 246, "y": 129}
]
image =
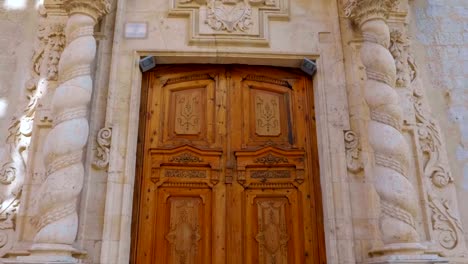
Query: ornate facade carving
[
  {"x": 446, "y": 227},
  {"x": 49, "y": 46},
  {"x": 360, "y": 11},
  {"x": 226, "y": 16},
  {"x": 445, "y": 223},
  {"x": 47, "y": 51},
  {"x": 57, "y": 196},
  {"x": 8, "y": 211},
  {"x": 398, "y": 198},
  {"x": 353, "y": 152},
  {"x": 230, "y": 20},
  {"x": 104, "y": 137}
]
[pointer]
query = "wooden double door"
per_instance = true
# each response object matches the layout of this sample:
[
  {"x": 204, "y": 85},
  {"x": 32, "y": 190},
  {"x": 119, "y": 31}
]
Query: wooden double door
[{"x": 227, "y": 168}]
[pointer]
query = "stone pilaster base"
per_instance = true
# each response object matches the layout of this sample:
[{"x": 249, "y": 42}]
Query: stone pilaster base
[
  {"x": 407, "y": 259},
  {"x": 45, "y": 254}
]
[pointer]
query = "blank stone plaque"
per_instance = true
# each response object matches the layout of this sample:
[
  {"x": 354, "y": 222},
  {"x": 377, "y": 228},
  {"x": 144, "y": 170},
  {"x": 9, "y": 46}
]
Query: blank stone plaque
[{"x": 136, "y": 30}]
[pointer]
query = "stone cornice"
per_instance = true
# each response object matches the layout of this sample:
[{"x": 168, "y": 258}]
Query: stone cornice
[
  {"x": 94, "y": 8},
  {"x": 361, "y": 11}
]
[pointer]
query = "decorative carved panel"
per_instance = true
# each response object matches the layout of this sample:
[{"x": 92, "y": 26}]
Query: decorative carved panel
[
  {"x": 269, "y": 119},
  {"x": 270, "y": 165},
  {"x": 188, "y": 111},
  {"x": 185, "y": 163},
  {"x": 184, "y": 233},
  {"x": 274, "y": 223},
  {"x": 267, "y": 115},
  {"x": 272, "y": 236},
  {"x": 230, "y": 21},
  {"x": 185, "y": 106},
  {"x": 183, "y": 228}
]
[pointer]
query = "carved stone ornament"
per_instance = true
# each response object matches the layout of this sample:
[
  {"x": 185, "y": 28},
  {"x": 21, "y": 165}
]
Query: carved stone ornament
[
  {"x": 94, "y": 8},
  {"x": 398, "y": 200},
  {"x": 445, "y": 223},
  {"x": 56, "y": 198},
  {"x": 8, "y": 211},
  {"x": 363, "y": 10},
  {"x": 230, "y": 17},
  {"x": 447, "y": 231},
  {"x": 47, "y": 51},
  {"x": 353, "y": 152},
  {"x": 104, "y": 137},
  {"x": 44, "y": 64},
  {"x": 230, "y": 21}
]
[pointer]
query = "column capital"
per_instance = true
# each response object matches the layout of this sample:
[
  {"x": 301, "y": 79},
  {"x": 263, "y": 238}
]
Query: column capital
[
  {"x": 93, "y": 8},
  {"x": 361, "y": 11}
]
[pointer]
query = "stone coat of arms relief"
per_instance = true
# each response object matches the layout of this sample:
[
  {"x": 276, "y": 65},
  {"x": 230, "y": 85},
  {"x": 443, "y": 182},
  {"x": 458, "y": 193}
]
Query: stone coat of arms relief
[{"x": 230, "y": 21}]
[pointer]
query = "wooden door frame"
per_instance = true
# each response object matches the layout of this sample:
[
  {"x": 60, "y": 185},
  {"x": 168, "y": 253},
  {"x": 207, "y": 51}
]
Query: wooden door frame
[{"x": 331, "y": 118}]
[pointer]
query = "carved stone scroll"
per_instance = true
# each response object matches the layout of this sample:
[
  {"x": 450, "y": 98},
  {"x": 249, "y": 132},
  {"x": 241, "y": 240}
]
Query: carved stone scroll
[
  {"x": 104, "y": 137},
  {"x": 441, "y": 204},
  {"x": 353, "y": 152},
  {"x": 398, "y": 198}
]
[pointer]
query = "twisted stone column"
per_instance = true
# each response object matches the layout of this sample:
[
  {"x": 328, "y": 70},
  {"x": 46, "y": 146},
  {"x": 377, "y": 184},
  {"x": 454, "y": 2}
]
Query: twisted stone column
[
  {"x": 398, "y": 199},
  {"x": 57, "y": 219}
]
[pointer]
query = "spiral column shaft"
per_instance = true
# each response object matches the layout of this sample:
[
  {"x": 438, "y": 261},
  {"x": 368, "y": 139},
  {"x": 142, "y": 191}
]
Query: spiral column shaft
[
  {"x": 57, "y": 218},
  {"x": 398, "y": 200}
]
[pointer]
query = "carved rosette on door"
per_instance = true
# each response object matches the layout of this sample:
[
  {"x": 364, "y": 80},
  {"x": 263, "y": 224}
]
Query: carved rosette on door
[{"x": 228, "y": 168}]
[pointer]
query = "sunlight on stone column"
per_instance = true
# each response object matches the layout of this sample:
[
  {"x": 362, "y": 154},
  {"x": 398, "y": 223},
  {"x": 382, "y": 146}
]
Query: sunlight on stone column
[{"x": 15, "y": 4}]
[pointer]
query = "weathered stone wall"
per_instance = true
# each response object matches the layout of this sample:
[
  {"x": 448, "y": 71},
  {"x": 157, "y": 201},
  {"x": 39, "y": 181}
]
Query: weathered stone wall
[{"x": 439, "y": 32}]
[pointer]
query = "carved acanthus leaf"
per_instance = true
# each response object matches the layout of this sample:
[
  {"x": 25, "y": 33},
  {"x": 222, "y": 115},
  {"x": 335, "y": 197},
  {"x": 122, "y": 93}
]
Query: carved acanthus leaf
[
  {"x": 104, "y": 137},
  {"x": 353, "y": 151},
  {"x": 445, "y": 223},
  {"x": 435, "y": 163},
  {"x": 94, "y": 8},
  {"x": 362, "y": 10}
]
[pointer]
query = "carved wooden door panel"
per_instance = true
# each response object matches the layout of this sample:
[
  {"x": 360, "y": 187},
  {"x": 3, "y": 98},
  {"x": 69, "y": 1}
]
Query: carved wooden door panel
[{"x": 227, "y": 167}]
